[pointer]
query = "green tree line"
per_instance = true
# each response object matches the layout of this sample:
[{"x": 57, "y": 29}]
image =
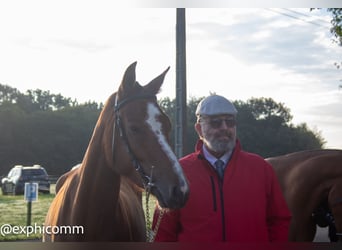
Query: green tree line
[
  {"x": 263, "y": 126},
  {"x": 38, "y": 127},
  {"x": 43, "y": 128}
]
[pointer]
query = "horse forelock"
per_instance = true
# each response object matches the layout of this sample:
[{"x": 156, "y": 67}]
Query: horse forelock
[{"x": 135, "y": 89}]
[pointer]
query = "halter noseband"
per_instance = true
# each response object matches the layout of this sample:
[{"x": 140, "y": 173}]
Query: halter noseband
[{"x": 146, "y": 179}]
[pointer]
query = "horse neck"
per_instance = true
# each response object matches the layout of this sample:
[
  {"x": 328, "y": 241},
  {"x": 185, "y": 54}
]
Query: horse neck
[
  {"x": 97, "y": 184},
  {"x": 121, "y": 201},
  {"x": 98, "y": 161},
  {"x": 130, "y": 214}
]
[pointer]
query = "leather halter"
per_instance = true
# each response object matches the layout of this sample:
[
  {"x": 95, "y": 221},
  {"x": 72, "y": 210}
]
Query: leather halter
[{"x": 147, "y": 180}]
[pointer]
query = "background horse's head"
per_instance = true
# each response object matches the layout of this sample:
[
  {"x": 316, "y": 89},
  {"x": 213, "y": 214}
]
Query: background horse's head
[{"x": 137, "y": 133}]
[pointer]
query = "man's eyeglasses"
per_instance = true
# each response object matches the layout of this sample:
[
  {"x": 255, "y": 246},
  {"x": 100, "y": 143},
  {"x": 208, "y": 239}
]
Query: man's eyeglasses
[{"x": 217, "y": 122}]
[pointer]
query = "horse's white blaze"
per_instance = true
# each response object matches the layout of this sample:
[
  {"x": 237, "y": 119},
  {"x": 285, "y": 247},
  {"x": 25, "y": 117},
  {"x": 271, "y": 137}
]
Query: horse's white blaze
[{"x": 152, "y": 115}]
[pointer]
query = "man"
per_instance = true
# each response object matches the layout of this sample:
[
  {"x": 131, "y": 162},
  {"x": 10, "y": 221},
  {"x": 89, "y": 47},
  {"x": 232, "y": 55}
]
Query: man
[{"x": 234, "y": 195}]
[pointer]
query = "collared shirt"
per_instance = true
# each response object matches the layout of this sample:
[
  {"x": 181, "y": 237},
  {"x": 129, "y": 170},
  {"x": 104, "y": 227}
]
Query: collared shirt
[{"x": 212, "y": 159}]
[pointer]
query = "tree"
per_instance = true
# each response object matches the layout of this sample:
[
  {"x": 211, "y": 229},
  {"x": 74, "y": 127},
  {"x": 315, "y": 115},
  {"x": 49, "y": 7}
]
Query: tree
[
  {"x": 44, "y": 100},
  {"x": 336, "y": 30},
  {"x": 34, "y": 100},
  {"x": 264, "y": 127},
  {"x": 336, "y": 22},
  {"x": 7, "y": 94},
  {"x": 43, "y": 128},
  {"x": 268, "y": 109},
  {"x": 51, "y": 130}
]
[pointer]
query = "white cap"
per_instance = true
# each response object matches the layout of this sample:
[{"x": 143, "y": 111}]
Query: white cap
[{"x": 215, "y": 105}]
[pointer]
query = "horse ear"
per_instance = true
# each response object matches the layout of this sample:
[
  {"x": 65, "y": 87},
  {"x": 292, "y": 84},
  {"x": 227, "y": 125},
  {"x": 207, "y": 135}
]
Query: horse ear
[
  {"x": 128, "y": 79},
  {"x": 154, "y": 85}
]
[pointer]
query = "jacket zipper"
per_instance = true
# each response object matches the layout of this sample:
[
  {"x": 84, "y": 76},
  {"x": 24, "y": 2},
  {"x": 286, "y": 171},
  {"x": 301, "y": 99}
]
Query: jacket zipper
[
  {"x": 222, "y": 210},
  {"x": 220, "y": 185},
  {"x": 213, "y": 189}
]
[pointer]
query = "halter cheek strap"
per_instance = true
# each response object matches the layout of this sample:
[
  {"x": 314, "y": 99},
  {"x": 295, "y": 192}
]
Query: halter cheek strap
[{"x": 147, "y": 180}]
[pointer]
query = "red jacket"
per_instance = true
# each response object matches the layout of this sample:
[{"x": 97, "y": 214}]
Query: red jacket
[{"x": 248, "y": 206}]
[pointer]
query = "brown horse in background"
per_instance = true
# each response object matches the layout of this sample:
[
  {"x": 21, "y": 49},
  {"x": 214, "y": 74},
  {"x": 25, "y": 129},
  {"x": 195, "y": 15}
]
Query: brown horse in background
[
  {"x": 312, "y": 186},
  {"x": 128, "y": 151}
]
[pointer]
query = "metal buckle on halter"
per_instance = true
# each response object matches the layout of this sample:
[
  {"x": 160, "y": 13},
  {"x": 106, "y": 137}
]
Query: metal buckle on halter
[
  {"x": 150, "y": 183},
  {"x": 147, "y": 180}
]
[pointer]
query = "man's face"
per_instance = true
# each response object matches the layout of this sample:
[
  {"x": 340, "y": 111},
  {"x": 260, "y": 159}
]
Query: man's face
[{"x": 217, "y": 132}]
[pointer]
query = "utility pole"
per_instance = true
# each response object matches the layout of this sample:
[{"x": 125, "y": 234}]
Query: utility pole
[{"x": 181, "y": 107}]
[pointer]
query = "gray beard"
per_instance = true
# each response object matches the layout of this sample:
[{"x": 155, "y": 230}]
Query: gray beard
[{"x": 220, "y": 146}]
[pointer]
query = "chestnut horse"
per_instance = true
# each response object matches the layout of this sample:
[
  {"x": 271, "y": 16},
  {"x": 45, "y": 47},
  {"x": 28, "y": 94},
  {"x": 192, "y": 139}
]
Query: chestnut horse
[
  {"x": 312, "y": 186},
  {"x": 128, "y": 151}
]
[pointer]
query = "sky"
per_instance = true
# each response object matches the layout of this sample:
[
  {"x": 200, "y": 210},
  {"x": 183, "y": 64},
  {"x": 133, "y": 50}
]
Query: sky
[{"x": 81, "y": 50}]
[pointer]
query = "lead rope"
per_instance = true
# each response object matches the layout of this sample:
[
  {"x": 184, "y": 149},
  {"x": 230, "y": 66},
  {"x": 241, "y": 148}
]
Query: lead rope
[{"x": 150, "y": 232}]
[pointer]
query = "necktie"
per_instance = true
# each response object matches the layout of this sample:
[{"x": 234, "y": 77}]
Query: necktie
[{"x": 219, "y": 168}]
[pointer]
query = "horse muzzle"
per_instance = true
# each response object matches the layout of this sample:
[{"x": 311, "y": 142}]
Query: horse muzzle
[{"x": 173, "y": 198}]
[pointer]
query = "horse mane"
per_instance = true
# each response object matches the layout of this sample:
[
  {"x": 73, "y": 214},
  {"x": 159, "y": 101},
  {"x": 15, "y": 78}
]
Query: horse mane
[
  {"x": 307, "y": 153},
  {"x": 129, "y": 203}
]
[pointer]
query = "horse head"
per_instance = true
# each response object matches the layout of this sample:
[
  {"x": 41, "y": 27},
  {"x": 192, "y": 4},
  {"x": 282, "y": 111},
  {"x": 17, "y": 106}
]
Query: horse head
[{"x": 140, "y": 146}]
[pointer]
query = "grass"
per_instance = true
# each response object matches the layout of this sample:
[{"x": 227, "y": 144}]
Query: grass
[{"x": 13, "y": 212}]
